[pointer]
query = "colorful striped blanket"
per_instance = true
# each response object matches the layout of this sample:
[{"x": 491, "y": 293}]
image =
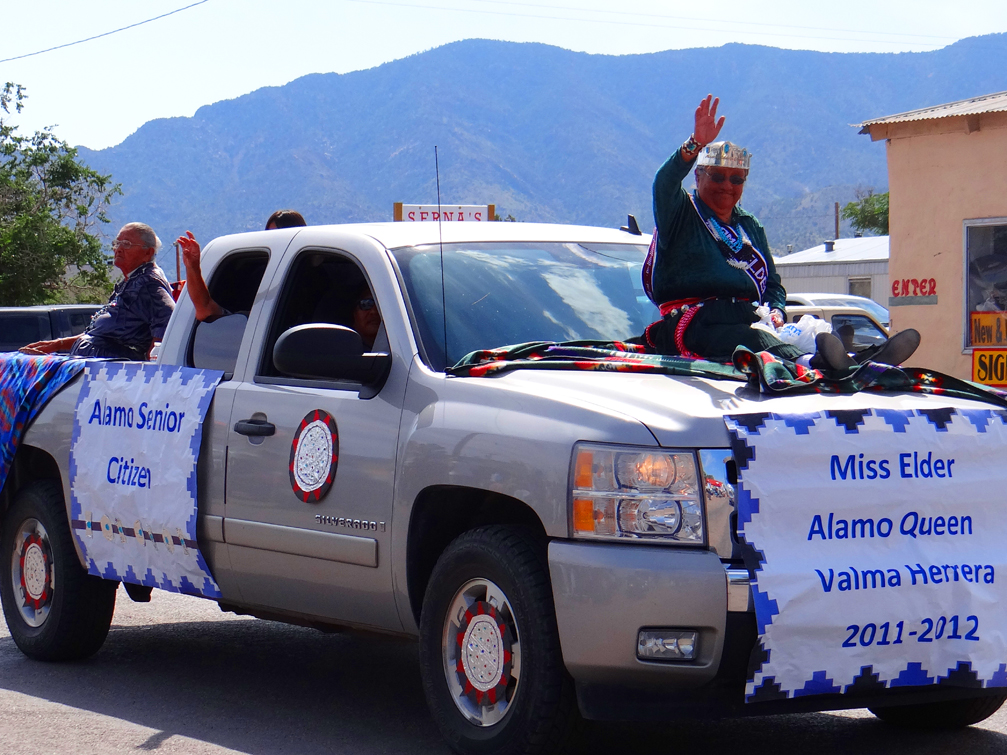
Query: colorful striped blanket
[
  {"x": 762, "y": 371},
  {"x": 26, "y": 384}
]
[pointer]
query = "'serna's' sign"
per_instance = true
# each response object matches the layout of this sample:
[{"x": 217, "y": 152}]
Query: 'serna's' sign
[{"x": 445, "y": 213}]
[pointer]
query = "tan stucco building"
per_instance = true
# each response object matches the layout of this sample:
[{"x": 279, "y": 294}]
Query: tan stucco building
[{"x": 947, "y": 178}]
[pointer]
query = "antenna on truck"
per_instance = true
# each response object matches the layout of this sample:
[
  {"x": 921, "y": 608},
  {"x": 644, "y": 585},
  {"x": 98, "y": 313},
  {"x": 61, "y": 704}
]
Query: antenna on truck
[
  {"x": 176, "y": 287},
  {"x": 440, "y": 236}
]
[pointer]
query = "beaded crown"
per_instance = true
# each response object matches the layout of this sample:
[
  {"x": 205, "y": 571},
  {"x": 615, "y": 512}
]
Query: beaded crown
[{"x": 725, "y": 155}]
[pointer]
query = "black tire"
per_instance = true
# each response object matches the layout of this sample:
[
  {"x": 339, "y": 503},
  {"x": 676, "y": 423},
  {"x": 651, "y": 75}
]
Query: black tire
[
  {"x": 540, "y": 705},
  {"x": 954, "y": 714},
  {"x": 71, "y": 610}
]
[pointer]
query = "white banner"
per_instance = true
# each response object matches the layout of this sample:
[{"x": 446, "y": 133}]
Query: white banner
[
  {"x": 879, "y": 547},
  {"x": 136, "y": 438}
]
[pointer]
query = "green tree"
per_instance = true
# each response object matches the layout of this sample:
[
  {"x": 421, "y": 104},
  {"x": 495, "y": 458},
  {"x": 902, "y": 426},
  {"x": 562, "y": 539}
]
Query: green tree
[
  {"x": 869, "y": 212},
  {"x": 51, "y": 206}
]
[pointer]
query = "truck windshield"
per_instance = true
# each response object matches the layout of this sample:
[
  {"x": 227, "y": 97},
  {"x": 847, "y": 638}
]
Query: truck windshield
[{"x": 504, "y": 293}]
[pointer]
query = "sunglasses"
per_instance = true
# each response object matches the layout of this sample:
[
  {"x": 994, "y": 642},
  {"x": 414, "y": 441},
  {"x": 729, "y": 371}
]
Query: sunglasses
[
  {"x": 719, "y": 178},
  {"x": 365, "y": 304}
]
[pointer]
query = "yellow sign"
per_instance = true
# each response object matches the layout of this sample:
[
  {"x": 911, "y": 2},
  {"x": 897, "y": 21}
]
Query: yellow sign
[
  {"x": 989, "y": 366},
  {"x": 988, "y": 329}
]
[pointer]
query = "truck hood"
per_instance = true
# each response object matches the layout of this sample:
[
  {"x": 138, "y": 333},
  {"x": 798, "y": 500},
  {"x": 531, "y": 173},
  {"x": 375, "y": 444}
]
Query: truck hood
[{"x": 689, "y": 411}]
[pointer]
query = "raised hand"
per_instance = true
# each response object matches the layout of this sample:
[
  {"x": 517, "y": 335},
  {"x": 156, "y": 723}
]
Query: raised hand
[
  {"x": 190, "y": 250},
  {"x": 707, "y": 125},
  {"x": 206, "y": 307}
]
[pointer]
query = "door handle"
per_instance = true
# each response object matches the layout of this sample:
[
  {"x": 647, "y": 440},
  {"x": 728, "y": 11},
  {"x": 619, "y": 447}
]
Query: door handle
[{"x": 255, "y": 428}]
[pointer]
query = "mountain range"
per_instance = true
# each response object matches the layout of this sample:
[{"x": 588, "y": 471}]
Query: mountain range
[{"x": 543, "y": 133}]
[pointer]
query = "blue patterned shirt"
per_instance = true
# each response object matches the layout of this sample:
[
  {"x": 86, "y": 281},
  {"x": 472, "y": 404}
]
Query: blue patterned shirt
[{"x": 136, "y": 315}]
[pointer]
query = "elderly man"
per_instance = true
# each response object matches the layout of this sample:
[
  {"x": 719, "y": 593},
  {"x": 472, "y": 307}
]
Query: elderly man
[
  {"x": 710, "y": 265},
  {"x": 137, "y": 311}
]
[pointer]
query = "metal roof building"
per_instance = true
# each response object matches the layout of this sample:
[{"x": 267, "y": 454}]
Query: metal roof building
[
  {"x": 971, "y": 109},
  {"x": 845, "y": 266}
]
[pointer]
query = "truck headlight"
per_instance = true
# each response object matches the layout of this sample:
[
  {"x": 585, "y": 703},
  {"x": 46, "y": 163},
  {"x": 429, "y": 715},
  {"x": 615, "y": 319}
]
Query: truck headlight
[{"x": 649, "y": 495}]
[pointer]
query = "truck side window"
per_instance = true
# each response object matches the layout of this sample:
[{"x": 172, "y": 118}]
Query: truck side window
[
  {"x": 320, "y": 287},
  {"x": 235, "y": 281},
  {"x": 79, "y": 321}
]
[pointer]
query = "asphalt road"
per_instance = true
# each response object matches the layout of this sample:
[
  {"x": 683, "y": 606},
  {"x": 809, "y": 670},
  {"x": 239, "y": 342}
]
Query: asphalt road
[{"x": 178, "y": 676}]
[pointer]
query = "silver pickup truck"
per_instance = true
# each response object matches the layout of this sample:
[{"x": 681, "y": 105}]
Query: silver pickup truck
[{"x": 561, "y": 542}]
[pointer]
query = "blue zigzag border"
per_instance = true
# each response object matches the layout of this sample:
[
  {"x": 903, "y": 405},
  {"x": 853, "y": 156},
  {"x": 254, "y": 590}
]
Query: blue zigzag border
[
  {"x": 740, "y": 427},
  {"x": 150, "y": 372}
]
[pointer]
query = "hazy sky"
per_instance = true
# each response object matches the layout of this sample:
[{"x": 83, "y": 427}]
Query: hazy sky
[{"x": 99, "y": 92}]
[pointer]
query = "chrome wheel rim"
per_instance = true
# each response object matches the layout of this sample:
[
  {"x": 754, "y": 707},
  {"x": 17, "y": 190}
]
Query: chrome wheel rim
[
  {"x": 481, "y": 649},
  {"x": 32, "y": 573}
]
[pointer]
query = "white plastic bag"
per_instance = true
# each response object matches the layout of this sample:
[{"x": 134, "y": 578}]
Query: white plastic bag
[
  {"x": 765, "y": 320},
  {"x": 802, "y": 333}
]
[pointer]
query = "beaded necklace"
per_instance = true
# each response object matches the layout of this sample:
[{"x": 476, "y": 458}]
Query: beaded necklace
[{"x": 727, "y": 233}]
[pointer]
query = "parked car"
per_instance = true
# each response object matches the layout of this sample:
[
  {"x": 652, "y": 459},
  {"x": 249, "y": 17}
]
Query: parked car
[
  {"x": 20, "y": 326},
  {"x": 857, "y": 327},
  {"x": 878, "y": 312}
]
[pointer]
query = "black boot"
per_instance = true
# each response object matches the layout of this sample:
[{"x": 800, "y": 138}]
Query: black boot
[
  {"x": 895, "y": 350},
  {"x": 830, "y": 354}
]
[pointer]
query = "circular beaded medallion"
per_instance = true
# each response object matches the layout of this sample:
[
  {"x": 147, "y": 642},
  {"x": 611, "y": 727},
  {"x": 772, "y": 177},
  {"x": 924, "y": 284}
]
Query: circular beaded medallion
[
  {"x": 484, "y": 654},
  {"x": 313, "y": 456},
  {"x": 36, "y": 572}
]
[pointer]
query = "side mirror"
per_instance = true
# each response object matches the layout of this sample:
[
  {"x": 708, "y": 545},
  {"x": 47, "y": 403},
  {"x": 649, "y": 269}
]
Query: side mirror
[{"x": 321, "y": 351}]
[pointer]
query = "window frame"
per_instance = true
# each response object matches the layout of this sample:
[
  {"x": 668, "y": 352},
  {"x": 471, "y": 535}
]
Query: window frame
[
  {"x": 869, "y": 279},
  {"x": 217, "y": 269},
  {"x": 267, "y": 340},
  {"x": 966, "y": 323}
]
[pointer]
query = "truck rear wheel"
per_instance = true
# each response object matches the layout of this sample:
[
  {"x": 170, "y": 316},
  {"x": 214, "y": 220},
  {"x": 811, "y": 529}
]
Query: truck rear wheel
[
  {"x": 55, "y": 611},
  {"x": 490, "y": 656},
  {"x": 954, "y": 714}
]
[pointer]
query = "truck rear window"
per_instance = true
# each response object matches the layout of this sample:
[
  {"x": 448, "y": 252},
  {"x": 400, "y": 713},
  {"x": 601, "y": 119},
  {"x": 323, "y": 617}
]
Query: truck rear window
[{"x": 21, "y": 328}]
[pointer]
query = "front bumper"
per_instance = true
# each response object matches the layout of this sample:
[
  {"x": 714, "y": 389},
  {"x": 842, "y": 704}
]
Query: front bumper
[{"x": 605, "y": 593}]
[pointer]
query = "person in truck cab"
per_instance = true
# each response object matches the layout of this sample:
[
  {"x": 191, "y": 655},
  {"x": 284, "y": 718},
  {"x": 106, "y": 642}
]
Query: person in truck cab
[
  {"x": 709, "y": 264},
  {"x": 366, "y": 318},
  {"x": 285, "y": 219},
  {"x": 137, "y": 312}
]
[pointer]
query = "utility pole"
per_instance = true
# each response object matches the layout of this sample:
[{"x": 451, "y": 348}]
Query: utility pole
[{"x": 837, "y": 220}]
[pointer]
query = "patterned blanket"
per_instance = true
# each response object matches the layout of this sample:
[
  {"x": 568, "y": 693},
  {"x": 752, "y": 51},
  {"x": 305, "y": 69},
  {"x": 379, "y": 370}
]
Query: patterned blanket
[
  {"x": 26, "y": 384},
  {"x": 762, "y": 371}
]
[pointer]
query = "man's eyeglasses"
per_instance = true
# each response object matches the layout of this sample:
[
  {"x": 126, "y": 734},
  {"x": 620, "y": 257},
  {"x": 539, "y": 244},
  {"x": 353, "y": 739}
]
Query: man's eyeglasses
[
  {"x": 117, "y": 244},
  {"x": 365, "y": 304},
  {"x": 719, "y": 178}
]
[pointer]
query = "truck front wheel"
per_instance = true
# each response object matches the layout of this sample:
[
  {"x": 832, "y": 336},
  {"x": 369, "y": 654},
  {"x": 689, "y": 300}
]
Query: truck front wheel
[
  {"x": 489, "y": 649},
  {"x": 55, "y": 611},
  {"x": 953, "y": 714}
]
